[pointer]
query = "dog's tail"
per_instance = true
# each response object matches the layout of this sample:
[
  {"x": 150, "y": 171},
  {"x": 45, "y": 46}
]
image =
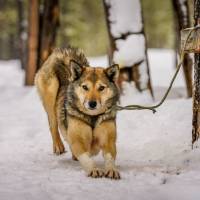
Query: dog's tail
[
  {"x": 56, "y": 68},
  {"x": 58, "y": 63},
  {"x": 64, "y": 54}
]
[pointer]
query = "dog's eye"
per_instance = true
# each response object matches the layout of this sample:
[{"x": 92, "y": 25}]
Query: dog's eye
[
  {"x": 101, "y": 88},
  {"x": 85, "y": 87}
]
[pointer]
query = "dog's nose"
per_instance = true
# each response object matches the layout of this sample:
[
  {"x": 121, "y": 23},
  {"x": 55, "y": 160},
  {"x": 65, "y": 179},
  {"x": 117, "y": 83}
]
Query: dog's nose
[{"x": 92, "y": 104}]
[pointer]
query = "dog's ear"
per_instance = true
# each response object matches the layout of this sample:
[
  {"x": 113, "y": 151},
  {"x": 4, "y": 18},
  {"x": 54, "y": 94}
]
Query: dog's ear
[
  {"x": 112, "y": 72},
  {"x": 76, "y": 70}
]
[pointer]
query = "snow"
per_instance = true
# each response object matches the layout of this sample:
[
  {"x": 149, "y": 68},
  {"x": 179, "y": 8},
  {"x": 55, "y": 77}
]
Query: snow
[
  {"x": 125, "y": 16},
  {"x": 7, "y": 67},
  {"x": 162, "y": 68},
  {"x": 125, "y": 22},
  {"x": 130, "y": 51},
  {"x": 126, "y": 56},
  {"x": 154, "y": 150},
  {"x": 99, "y": 61}
]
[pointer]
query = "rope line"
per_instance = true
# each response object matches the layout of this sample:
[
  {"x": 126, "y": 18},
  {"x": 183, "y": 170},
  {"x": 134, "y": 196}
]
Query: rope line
[{"x": 153, "y": 107}]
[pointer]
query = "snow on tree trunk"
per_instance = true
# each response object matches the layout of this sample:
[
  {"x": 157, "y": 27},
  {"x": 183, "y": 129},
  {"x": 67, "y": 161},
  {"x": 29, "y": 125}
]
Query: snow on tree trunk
[
  {"x": 127, "y": 41},
  {"x": 32, "y": 42},
  {"x": 48, "y": 28},
  {"x": 182, "y": 18},
  {"x": 196, "y": 96}
]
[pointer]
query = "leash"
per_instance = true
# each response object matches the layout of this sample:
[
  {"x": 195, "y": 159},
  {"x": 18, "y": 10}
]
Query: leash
[{"x": 153, "y": 107}]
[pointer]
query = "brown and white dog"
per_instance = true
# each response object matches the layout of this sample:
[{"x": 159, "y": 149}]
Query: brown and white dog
[{"x": 80, "y": 101}]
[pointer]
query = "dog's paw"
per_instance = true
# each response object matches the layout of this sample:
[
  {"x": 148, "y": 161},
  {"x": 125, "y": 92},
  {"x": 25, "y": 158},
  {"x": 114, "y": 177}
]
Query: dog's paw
[
  {"x": 96, "y": 173},
  {"x": 58, "y": 148},
  {"x": 112, "y": 173}
]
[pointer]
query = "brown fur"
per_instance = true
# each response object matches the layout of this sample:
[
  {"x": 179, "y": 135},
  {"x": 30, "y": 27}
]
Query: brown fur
[{"x": 67, "y": 85}]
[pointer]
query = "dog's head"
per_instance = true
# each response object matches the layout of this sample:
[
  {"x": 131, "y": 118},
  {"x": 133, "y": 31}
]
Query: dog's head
[{"x": 93, "y": 90}]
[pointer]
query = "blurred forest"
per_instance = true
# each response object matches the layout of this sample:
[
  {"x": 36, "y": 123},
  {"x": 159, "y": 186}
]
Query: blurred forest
[{"x": 82, "y": 24}]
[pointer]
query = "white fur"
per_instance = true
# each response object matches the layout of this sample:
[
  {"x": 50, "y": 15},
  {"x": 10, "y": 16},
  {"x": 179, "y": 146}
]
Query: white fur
[
  {"x": 86, "y": 162},
  {"x": 109, "y": 161}
]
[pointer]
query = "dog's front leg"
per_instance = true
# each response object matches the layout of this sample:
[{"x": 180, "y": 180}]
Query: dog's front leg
[
  {"x": 106, "y": 135},
  {"x": 79, "y": 136}
]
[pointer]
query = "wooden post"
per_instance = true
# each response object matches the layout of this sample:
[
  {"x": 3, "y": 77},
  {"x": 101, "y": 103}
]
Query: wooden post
[
  {"x": 32, "y": 41},
  {"x": 196, "y": 95}
]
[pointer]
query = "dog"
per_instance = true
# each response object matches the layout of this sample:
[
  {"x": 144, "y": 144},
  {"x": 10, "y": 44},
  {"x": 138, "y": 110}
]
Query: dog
[{"x": 80, "y": 102}]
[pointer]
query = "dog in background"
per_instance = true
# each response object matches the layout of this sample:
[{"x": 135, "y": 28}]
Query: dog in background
[{"x": 80, "y": 101}]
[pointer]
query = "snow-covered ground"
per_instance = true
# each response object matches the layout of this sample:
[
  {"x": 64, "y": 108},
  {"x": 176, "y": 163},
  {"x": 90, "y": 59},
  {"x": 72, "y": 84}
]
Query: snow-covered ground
[{"x": 154, "y": 150}]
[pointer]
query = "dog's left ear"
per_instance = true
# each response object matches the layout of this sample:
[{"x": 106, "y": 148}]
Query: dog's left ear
[
  {"x": 113, "y": 72},
  {"x": 76, "y": 70}
]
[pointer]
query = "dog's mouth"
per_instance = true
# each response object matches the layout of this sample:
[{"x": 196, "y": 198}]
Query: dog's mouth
[{"x": 91, "y": 108}]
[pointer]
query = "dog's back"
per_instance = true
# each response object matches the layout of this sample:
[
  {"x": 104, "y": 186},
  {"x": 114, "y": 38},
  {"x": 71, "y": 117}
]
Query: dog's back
[
  {"x": 51, "y": 80},
  {"x": 57, "y": 65}
]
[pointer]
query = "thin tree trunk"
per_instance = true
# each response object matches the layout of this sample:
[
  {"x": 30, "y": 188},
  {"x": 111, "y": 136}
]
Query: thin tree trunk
[
  {"x": 22, "y": 35},
  {"x": 32, "y": 42},
  {"x": 135, "y": 69},
  {"x": 196, "y": 96},
  {"x": 12, "y": 46},
  {"x": 182, "y": 18},
  {"x": 49, "y": 24}
]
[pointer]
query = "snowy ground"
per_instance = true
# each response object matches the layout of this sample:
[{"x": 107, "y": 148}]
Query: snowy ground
[{"x": 154, "y": 151}]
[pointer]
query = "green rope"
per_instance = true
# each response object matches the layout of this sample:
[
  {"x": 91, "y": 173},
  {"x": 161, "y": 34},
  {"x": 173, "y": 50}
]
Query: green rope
[{"x": 153, "y": 108}]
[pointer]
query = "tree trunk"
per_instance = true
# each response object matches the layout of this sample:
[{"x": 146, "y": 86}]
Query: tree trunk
[
  {"x": 196, "y": 96},
  {"x": 41, "y": 36},
  {"x": 127, "y": 41},
  {"x": 22, "y": 34},
  {"x": 32, "y": 42},
  {"x": 49, "y": 24},
  {"x": 12, "y": 46},
  {"x": 182, "y": 19}
]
